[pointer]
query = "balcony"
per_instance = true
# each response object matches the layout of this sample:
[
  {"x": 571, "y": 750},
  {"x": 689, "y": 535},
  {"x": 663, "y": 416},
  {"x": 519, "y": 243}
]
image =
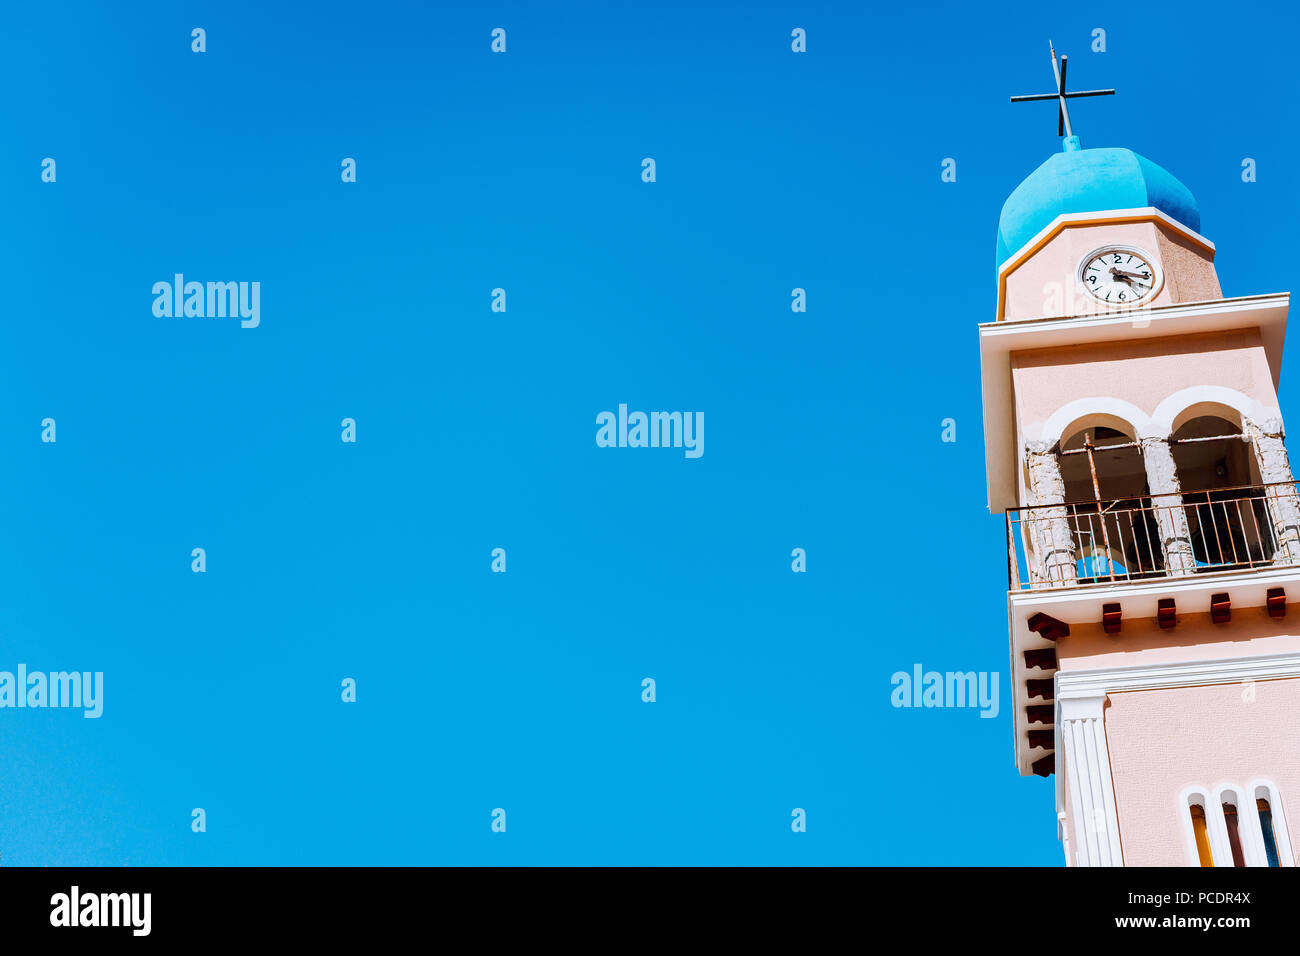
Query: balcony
[{"x": 1158, "y": 536}]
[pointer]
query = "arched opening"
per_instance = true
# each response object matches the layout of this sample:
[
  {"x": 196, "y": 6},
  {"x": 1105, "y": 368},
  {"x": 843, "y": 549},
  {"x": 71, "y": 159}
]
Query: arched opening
[
  {"x": 1211, "y": 453},
  {"x": 1264, "y": 798},
  {"x": 1227, "y": 513},
  {"x": 1115, "y": 533},
  {"x": 1232, "y": 823},
  {"x": 1115, "y": 462},
  {"x": 1200, "y": 829}
]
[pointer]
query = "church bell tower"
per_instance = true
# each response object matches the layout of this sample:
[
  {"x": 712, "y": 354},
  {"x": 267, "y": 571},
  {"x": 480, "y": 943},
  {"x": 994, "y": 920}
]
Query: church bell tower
[{"x": 1135, "y": 445}]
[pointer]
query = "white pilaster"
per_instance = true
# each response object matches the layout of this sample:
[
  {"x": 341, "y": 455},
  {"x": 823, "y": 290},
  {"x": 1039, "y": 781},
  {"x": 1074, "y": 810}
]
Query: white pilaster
[{"x": 1081, "y": 736}]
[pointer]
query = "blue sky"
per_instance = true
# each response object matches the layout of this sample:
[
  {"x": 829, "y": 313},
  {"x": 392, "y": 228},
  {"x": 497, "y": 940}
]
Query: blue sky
[{"x": 476, "y": 429}]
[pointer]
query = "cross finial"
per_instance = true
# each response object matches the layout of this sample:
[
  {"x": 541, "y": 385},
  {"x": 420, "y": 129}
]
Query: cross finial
[{"x": 1061, "y": 96}]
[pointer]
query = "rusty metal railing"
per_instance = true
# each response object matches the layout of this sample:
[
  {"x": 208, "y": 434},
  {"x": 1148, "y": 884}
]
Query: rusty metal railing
[{"x": 1133, "y": 539}]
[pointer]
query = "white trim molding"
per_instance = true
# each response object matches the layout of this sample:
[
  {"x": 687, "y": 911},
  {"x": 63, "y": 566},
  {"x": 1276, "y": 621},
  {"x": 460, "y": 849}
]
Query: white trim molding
[
  {"x": 1076, "y": 683},
  {"x": 1167, "y": 412},
  {"x": 1053, "y": 430},
  {"x": 1160, "y": 423},
  {"x": 1103, "y": 216}
]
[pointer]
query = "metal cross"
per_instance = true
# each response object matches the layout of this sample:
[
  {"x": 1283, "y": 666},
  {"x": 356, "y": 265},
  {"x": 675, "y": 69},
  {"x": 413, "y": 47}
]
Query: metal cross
[{"x": 1063, "y": 115}]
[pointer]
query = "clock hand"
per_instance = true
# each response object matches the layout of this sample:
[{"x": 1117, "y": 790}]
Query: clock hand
[{"x": 1130, "y": 281}]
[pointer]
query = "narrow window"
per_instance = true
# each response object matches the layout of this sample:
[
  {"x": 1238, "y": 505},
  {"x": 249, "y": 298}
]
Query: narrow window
[
  {"x": 1202, "y": 835},
  {"x": 1266, "y": 824},
  {"x": 1234, "y": 835}
]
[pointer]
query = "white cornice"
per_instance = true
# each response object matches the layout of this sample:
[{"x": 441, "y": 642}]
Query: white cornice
[
  {"x": 1082, "y": 605},
  {"x": 1101, "y": 326},
  {"x": 1090, "y": 683}
]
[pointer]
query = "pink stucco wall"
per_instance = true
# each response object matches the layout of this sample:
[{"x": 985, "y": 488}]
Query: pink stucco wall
[
  {"x": 1162, "y": 741},
  {"x": 1142, "y": 372},
  {"x": 1047, "y": 283},
  {"x": 1142, "y": 642}
]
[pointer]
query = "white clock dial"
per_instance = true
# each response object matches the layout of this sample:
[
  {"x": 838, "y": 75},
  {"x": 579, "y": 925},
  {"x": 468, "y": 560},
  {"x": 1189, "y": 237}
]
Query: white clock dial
[{"x": 1120, "y": 276}]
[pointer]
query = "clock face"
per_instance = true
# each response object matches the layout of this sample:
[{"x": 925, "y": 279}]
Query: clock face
[{"x": 1120, "y": 276}]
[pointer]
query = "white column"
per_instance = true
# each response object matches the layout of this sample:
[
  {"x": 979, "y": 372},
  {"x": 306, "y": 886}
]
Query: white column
[
  {"x": 1048, "y": 529},
  {"x": 1275, "y": 467},
  {"x": 1167, "y": 502},
  {"x": 1081, "y": 740}
]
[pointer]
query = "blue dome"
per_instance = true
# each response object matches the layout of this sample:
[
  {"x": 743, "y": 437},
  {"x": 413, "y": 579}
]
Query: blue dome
[{"x": 1090, "y": 180}]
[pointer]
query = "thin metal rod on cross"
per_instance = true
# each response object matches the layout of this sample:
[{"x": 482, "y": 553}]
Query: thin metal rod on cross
[{"x": 1061, "y": 96}]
